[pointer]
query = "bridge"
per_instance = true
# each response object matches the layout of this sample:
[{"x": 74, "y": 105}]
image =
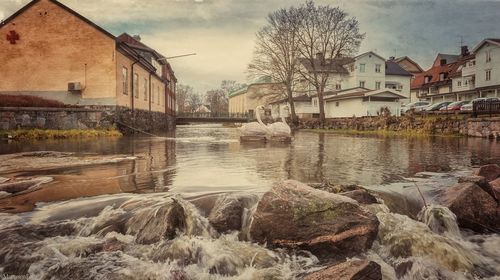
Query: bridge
[{"x": 213, "y": 117}]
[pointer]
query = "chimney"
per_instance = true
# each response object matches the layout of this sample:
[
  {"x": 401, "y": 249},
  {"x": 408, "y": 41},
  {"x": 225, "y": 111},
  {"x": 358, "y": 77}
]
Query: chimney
[
  {"x": 392, "y": 58},
  {"x": 321, "y": 58},
  {"x": 137, "y": 37},
  {"x": 464, "y": 51}
]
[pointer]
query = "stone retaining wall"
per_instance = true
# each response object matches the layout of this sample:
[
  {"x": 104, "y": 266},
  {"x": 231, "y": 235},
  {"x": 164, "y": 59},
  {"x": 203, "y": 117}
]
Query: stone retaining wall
[
  {"x": 477, "y": 127},
  {"x": 92, "y": 117}
]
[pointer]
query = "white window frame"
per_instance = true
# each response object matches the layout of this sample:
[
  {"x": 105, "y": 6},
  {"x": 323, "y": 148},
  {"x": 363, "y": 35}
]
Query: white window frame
[
  {"x": 136, "y": 85},
  {"x": 362, "y": 68},
  {"x": 378, "y": 68},
  {"x": 488, "y": 75},
  {"x": 145, "y": 89},
  {"x": 125, "y": 80},
  {"x": 362, "y": 84},
  {"x": 378, "y": 85}
]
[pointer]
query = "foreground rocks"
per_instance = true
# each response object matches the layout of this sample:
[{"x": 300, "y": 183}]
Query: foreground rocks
[
  {"x": 351, "y": 270},
  {"x": 295, "y": 216},
  {"x": 475, "y": 208},
  {"x": 490, "y": 172}
]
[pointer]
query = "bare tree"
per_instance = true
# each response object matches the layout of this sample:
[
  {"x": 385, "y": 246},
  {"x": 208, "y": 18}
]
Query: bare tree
[
  {"x": 219, "y": 98},
  {"x": 194, "y": 101},
  {"x": 324, "y": 33},
  {"x": 276, "y": 52},
  {"x": 181, "y": 96}
]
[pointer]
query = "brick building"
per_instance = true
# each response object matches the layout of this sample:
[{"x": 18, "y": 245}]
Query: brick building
[{"x": 49, "y": 50}]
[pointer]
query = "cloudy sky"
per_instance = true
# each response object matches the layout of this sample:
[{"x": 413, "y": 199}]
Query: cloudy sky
[{"x": 222, "y": 32}]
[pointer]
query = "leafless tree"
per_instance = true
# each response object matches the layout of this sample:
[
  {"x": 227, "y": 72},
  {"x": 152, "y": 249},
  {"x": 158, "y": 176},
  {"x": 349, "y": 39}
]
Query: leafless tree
[
  {"x": 219, "y": 98},
  {"x": 182, "y": 93},
  {"x": 276, "y": 52},
  {"x": 330, "y": 32},
  {"x": 194, "y": 101}
]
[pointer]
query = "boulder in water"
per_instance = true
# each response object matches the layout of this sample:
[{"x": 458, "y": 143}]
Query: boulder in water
[
  {"x": 355, "y": 192},
  {"x": 478, "y": 180},
  {"x": 490, "y": 171},
  {"x": 350, "y": 270},
  {"x": 295, "y": 216},
  {"x": 475, "y": 209},
  {"x": 495, "y": 187},
  {"x": 228, "y": 211}
]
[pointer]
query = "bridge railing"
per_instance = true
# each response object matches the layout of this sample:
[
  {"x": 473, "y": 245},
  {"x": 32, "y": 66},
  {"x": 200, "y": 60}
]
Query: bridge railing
[{"x": 212, "y": 115}]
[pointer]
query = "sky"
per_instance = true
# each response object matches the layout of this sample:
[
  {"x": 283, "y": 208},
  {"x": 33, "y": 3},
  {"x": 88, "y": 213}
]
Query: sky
[{"x": 222, "y": 32}]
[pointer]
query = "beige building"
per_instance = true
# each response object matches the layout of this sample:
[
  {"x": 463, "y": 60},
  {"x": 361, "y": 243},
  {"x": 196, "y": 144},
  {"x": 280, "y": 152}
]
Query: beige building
[
  {"x": 50, "y": 51},
  {"x": 247, "y": 98}
]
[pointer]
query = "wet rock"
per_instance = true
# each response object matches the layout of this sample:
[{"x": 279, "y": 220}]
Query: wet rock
[
  {"x": 227, "y": 213},
  {"x": 495, "y": 187},
  {"x": 475, "y": 209},
  {"x": 361, "y": 196},
  {"x": 401, "y": 204},
  {"x": 23, "y": 185},
  {"x": 331, "y": 188},
  {"x": 351, "y": 270},
  {"x": 295, "y": 216},
  {"x": 3, "y": 180},
  {"x": 478, "y": 180},
  {"x": 403, "y": 268},
  {"x": 490, "y": 171},
  {"x": 151, "y": 225}
]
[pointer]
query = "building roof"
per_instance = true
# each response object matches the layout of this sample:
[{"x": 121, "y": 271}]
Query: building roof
[
  {"x": 434, "y": 73},
  {"x": 33, "y": 2},
  {"x": 450, "y": 58},
  {"x": 335, "y": 65},
  {"x": 364, "y": 93},
  {"x": 457, "y": 69},
  {"x": 367, "y": 53},
  {"x": 301, "y": 98},
  {"x": 400, "y": 59},
  {"x": 493, "y": 41},
  {"x": 392, "y": 68}
]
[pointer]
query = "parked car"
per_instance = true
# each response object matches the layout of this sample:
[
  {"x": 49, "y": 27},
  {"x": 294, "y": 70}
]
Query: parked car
[
  {"x": 416, "y": 106},
  {"x": 436, "y": 106},
  {"x": 455, "y": 106},
  {"x": 468, "y": 106}
]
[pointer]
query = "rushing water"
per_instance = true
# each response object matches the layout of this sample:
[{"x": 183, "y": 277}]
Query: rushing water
[{"x": 103, "y": 221}]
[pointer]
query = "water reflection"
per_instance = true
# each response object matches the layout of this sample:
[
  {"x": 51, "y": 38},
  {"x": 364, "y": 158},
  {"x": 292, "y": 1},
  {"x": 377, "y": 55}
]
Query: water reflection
[{"x": 208, "y": 159}]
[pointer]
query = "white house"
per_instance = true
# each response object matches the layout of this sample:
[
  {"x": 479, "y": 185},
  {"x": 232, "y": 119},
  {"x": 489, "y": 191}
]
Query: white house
[
  {"x": 303, "y": 107},
  {"x": 361, "y": 102},
  {"x": 487, "y": 78}
]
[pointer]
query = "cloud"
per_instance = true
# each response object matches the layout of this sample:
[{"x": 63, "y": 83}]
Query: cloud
[{"x": 221, "y": 32}]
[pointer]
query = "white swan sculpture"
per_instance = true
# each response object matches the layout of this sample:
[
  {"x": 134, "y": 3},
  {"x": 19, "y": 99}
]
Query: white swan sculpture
[
  {"x": 280, "y": 131},
  {"x": 255, "y": 131}
]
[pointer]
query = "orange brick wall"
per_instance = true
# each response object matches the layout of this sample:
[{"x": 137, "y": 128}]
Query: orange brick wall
[{"x": 53, "y": 49}]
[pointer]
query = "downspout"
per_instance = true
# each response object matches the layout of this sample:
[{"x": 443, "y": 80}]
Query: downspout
[
  {"x": 150, "y": 93},
  {"x": 132, "y": 84}
]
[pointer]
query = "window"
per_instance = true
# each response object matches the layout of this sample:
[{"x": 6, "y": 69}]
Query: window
[
  {"x": 377, "y": 68},
  {"x": 337, "y": 104},
  {"x": 362, "y": 68},
  {"x": 315, "y": 102},
  {"x": 488, "y": 75},
  {"x": 338, "y": 86},
  {"x": 125, "y": 80},
  {"x": 136, "y": 85},
  {"x": 153, "y": 95},
  {"x": 158, "y": 95},
  {"x": 377, "y": 85},
  {"x": 459, "y": 83},
  {"x": 145, "y": 89},
  {"x": 441, "y": 76},
  {"x": 488, "y": 56},
  {"x": 361, "y": 83}
]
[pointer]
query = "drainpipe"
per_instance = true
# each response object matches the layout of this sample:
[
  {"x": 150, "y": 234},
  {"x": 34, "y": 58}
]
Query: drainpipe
[
  {"x": 150, "y": 93},
  {"x": 132, "y": 84}
]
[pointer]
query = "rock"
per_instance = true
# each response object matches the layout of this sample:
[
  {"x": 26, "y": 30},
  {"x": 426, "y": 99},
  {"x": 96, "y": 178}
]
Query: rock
[
  {"x": 350, "y": 270},
  {"x": 495, "y": 187},
  {"x": 230, "y": 212},
  {"x": 361, "y": 196},
  {"x": 295, "y": 216},
  {"x": 328, "y": 187},
  {"x": 23, "y": 185},
  {"x": 3, "y": 180},
  {"x": 226, "y": 214},
  {"x": 401, "y": 204},
  {"x": 490, "y": 171},
  {"x": 475, "y": 209},
  {"x": 478, "y": 180}
]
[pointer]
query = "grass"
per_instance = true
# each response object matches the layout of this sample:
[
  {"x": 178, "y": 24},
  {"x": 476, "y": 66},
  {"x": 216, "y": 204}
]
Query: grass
[
  {"x": 42, "y": 134},
  {"x": 383, "y": 132}
]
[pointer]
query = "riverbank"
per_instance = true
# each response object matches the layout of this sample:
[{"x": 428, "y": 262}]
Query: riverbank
[
  {"x": 49, "y": 134},
  {"x": 456, "y": 125}
]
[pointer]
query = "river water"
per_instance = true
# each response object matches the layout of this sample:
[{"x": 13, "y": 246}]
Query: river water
[{"x": 201, "y": 160}]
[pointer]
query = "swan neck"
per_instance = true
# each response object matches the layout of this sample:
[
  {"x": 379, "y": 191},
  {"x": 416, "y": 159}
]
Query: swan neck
[{"x": 257, "y": 115}]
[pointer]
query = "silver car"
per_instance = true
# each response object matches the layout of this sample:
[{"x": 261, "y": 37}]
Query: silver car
[
  {"x": 416, "y": 106},
  {"x": 469, "y": 106}
]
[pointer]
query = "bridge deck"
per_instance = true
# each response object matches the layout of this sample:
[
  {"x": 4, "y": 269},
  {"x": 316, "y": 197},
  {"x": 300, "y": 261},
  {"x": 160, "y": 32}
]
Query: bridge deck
[{"x": 213, "y": 117}]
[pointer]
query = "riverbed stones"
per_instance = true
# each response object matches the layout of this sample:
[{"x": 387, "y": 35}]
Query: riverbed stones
[
  {"x": 475, "y": 208},
  {"x": 350, "y": 270},
  {"x": 490, "y": 171},
  {"x": 495, "y": 187},
  {"x": 296, "y": 216}
]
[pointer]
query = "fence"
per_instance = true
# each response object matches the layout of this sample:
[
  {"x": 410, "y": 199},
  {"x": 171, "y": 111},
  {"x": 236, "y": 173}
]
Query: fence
[
  {"x": 485, "y": 107},
  {"x": 214, "y": 115}
]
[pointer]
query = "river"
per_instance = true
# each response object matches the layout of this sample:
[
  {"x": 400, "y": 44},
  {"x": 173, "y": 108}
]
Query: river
[{"x": 201, "y": 160}]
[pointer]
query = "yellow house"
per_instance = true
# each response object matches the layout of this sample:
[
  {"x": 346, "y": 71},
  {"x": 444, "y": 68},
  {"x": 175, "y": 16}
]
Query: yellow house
[
  {"x": 247, "y": 98},
  {"x": 49, "y": 50}
]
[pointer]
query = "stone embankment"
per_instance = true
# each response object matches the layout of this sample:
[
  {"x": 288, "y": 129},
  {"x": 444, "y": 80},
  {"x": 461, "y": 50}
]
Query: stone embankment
[
  {"x": 94, "y": 117},
  {"x": 427, "y": 125}
]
